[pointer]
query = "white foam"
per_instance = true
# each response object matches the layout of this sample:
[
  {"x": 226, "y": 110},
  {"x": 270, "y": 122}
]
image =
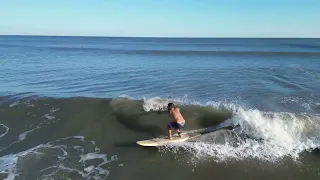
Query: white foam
[
  {"x": 54, "y": 110},
  {"x": 27, "y": 103},
  {"x": 160, "y": 104},
  {"x": 14, "y": 104},
  {"x": 125, "y": 96},
  {"x": 98, "y": 169},
  {"x": 155, "y": 104},
  {"x": 7, "y": 130},
  {"x": 10, "y": 176},
  {"x": 60, "y": 152},
  {"x": 23, "y": 135},
  {"x": 49, "y": 117},
  {"x": 89, "y": 169},
  {"x": 90, "y": 156},
  {"x": 305, "y": 103},
  {"x": 8, "y": 162}
]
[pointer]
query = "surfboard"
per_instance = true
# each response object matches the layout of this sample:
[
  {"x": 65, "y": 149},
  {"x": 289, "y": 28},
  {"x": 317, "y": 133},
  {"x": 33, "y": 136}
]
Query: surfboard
[{"x": 164, "y": 141}]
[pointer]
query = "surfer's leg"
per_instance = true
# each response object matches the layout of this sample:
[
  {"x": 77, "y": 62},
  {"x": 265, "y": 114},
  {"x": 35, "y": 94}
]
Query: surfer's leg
[
  {"x": 169, "y": 134},
  {"x": 170, "y": 126},
  {"x": 179, "y": 127},
  {"x": 179, "y": 132},
  {"x": 175, "y": 126}
]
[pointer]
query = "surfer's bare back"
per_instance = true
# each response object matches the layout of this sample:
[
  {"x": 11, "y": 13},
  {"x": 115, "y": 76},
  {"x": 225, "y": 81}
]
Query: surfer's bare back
[{"x": 178, "y": 120}]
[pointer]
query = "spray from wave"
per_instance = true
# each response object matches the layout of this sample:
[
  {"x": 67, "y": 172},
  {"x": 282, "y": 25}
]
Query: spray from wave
[{"x": 268, "y": 136}]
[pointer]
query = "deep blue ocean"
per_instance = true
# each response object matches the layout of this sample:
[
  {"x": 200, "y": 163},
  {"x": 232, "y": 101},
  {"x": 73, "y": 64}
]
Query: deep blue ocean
[{"x": 73, "y": 107}]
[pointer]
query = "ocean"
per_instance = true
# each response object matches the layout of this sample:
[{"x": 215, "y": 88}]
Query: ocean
[{"x": 74, "y": 107}]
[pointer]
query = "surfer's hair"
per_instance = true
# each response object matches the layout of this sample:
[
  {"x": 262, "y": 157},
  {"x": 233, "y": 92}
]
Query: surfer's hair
[{"x": 170, "y": 105}]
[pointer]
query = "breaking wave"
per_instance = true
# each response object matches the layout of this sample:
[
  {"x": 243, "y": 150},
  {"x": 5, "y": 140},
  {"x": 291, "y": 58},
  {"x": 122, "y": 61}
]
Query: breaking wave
[{"x": 268, "y": 136}]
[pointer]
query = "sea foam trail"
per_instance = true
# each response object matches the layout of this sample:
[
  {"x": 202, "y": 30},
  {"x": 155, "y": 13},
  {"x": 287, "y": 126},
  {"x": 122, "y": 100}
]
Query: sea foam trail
[
  {"x": 57, "y": 156},
  {"x": 6, "y": 131},
  {"x": 268, "y": 136}
]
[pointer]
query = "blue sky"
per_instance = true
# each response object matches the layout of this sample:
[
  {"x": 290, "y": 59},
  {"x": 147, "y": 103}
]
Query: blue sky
[{"x": 162, "y": 18}]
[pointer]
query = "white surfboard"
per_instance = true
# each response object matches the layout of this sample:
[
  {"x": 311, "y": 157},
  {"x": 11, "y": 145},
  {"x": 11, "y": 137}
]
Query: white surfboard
[{"x": 164, "y": 141}]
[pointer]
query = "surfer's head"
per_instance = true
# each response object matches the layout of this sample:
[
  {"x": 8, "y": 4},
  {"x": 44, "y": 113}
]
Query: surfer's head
[{"x": 170, "y": 105}]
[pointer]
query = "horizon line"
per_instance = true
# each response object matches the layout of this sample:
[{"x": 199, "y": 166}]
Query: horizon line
[{"x": 177, "y": 37}]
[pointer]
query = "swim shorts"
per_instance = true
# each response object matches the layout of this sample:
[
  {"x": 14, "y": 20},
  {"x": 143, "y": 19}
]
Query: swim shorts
[{"x": 175, "y": 125}]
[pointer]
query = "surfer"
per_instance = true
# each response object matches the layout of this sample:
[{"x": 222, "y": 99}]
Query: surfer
[{"x": 178, "y": 121}]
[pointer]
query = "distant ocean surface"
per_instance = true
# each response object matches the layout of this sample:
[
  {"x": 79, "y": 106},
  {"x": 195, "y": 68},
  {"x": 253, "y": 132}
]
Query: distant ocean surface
[{"x": 73, "y": 107}]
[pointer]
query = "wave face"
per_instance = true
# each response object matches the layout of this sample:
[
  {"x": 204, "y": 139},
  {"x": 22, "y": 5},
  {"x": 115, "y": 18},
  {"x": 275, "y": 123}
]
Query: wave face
[
  {"x": 73, "y": 137},
  {"x": 78, "y": 133}
]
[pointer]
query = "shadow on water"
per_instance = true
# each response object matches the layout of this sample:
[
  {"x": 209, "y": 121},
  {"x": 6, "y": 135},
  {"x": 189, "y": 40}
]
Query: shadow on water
[
  {"x": 132, "y": 123},
  {"x": 209, "y": 120},
  {"x": 130, "y": 144},
  {"x": 125, "y": 144},
  {"x": 316, "y": 152}
]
